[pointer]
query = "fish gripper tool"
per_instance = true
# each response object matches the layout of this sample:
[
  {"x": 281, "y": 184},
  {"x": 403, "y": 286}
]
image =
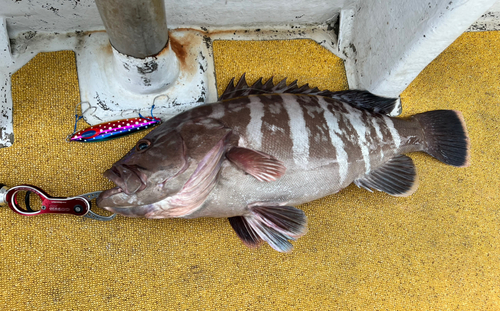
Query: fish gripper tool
[{"x": 78, "y": 205}]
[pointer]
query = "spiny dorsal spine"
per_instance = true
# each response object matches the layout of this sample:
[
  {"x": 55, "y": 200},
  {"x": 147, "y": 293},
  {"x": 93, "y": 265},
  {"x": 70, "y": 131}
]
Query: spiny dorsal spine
[
  {"x": 355, "y": 98},
  {"x": 243, "y": 89}
]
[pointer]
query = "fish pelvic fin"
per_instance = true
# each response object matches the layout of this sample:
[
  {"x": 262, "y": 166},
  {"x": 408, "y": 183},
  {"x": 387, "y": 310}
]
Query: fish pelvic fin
[
  {"x": 397, "y": 177},
  {"x": 356, "y": 98},
  {"x": 260, "y": 165},
  {"x": 445, "y": 136},
  {"x": 276, "y": 225}
]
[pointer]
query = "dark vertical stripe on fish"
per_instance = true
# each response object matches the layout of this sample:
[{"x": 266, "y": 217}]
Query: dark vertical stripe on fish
[
  {"x": 276, "y": 136},
  {"x": 237, "y": 115},
  {"x": 335, "y": 124},
  {"x": 320, "y": 145}
]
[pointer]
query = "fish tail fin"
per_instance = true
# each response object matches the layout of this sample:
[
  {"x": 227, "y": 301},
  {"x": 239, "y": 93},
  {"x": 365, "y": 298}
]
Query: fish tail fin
[{"x": 446, "y": 136}]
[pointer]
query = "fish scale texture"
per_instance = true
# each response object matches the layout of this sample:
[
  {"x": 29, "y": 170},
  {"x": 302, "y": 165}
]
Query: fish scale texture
[{"x": 438, "y": 249}]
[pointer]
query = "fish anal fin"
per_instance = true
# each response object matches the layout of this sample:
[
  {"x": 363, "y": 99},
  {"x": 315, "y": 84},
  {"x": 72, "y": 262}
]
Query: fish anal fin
[
  {"x": 276, "y": 225},
  {"x": 262, "y": 166},
  {"x": 244, "y": 232},
  {"x": 396, "y": 177}
]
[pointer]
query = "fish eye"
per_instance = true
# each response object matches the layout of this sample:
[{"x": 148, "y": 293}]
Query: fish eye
[{"x": 142, "y": 145}]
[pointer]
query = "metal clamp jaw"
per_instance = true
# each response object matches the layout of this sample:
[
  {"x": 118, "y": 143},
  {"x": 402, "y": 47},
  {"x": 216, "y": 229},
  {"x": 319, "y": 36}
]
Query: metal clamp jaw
[
  {"x": 78, "y": 205},
  {"x": 3, "y": 192}
]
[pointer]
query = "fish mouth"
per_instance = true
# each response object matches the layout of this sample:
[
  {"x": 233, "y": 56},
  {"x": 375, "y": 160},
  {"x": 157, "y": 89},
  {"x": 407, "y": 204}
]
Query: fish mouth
[
  {"x": 128, "y": 178},
  {"x": 108, "y": 193}
]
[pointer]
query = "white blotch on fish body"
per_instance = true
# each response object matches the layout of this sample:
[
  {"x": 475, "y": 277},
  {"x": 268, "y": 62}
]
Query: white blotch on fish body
[
  {"x": 394, "y": 133},
  {"x": 354, "y": 117},
  {"x": 377, "y": 128},
  {"x": 312, "y": 111},
  {"x": 317, "y": 138},
  {"x": 336, "y": 140},
  {"x": 298, "y": 131},
  {"x": 275, "y": 108},
  {"x": 380, "y": 137},
  {"x": 322, "y": 132},
  {"x": 235, "y": 107},
  {"x": 254, "y": 127},
  {"x": 218, "y": 111},
  {"x": 273, "y": 128},
  {"x": 242, "y": 142}
]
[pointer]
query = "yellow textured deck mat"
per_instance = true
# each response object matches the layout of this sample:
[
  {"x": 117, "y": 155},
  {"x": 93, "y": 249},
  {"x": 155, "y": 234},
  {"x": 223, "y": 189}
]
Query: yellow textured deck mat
[{"x": 438, "y": 249}]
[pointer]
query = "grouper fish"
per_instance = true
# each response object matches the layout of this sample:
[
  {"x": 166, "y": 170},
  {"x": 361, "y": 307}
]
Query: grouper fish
[{"x": 263, "y": 149}]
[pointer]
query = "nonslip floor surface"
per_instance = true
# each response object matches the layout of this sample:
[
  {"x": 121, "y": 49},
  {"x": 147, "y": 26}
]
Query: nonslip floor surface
[{"x": 438, "y": 249}]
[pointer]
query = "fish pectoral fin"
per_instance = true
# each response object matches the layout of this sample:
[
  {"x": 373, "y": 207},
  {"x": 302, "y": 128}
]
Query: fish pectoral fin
[
  {"x": 396, "y": 177},
  {"x": 275, "y": 225},
  {"x": 262, "y": 166}
]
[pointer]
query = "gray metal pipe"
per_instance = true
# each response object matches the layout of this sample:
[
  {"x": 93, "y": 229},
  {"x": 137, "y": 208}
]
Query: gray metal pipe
[{"x": 137, "y": 28}]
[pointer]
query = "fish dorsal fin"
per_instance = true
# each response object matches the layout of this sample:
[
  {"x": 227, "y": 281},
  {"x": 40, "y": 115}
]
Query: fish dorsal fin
[
  {"x": 356, "y": 98},
  {"x": 368, "y": 101},
  {"x": 396, "y": 177},
  {"x": 275, "y": 225}
]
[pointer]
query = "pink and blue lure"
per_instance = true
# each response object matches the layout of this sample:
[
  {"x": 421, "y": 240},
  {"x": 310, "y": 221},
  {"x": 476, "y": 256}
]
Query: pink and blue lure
[{"x": 113, "y": 129}]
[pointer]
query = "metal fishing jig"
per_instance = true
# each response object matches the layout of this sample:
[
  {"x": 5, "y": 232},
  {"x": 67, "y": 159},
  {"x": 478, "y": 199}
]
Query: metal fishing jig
[
  {"x": 79, "y": 205},
  {"x": 112, "y": 129}
]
